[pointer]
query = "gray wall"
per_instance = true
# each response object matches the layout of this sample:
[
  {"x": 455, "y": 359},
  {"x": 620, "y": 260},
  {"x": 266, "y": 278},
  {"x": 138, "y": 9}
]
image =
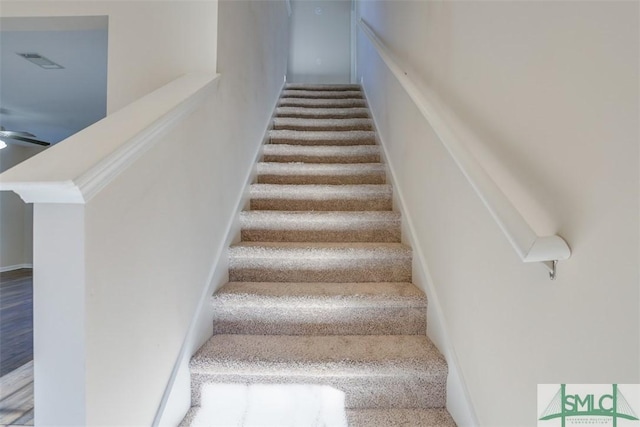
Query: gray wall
[
  {"x": 16, "y": 217},
  {"x": 320, "y": 42}
]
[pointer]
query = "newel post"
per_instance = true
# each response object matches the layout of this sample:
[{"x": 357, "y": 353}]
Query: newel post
[{"x": 59, "y": 295}]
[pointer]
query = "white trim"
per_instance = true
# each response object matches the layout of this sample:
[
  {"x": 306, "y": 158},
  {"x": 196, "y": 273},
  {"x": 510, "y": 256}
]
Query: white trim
[
  {"x": 118, "y": 140},
  {"x": 15, "y": 267},
  {"x": 459, "y": 402},
  {"x": 232, "y": 230},
  {"x": 452, "y": 133}
]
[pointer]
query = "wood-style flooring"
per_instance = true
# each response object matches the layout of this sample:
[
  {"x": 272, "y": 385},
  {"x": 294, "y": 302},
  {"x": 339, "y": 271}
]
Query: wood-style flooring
[{"x": 16, "y": 348}]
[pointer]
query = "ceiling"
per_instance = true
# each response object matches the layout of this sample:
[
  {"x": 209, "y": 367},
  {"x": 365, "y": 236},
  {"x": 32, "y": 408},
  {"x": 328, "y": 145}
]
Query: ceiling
[{"x": 53, "y": 103}]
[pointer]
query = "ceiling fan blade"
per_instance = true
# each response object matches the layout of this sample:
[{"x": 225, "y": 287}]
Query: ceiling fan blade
[{"x": 22, "y": 137}]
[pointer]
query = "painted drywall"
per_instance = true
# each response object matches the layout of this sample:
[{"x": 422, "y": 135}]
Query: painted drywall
[
  {"x": 146, "y": 252},
  {"x": 15, "y": 216},
  {"x": 551, "y": 88},
  {"x": 320, "y": 41},
  {"x": 150, "y": 42}
]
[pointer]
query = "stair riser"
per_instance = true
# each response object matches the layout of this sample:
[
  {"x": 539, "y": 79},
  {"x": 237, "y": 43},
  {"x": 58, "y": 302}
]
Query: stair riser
[
  {"x": 364, "y": 178},
  {"x": 329, "y": 113},
  {"x": 322, "y": 127},
  {"x": 388, "y": 234},
  {"x": 318, "y": 321},
  {"x": 414, "y": 391},
  {"x": 382, "y": 204},
  {"x": 321, "y": 94},
  {"x": 283, "y": 270},
  {"x": 322, "y": 141},
  {"x": 322, "y": 87},
  {"x": 322, "y": 103},
  {"x": 288, "y": 158}
]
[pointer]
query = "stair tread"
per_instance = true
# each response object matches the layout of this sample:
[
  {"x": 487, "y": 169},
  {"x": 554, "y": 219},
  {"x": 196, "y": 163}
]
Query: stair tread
[
  {"x": 318, "y": 102},
  {"x": 310, "y": 112},
  {"x": 304, "y": 220},
  {"x": 324, "y": 137},
  {"x": 320, "y": 226},
  {"x": 314, "y": 86},
  {"x": 320, "y": 356},
  {"x": 306, "y": 249},
  {"x": 330, "y": 94},
  {"x": 321, "y": 150},
  {"x": 315, "y": 124},
  {"x": 319, "y": 192},
  {"x": 296, "y": 168},
  {"x": 338, "y": 295},
  {"x": 396, "y": 417}
]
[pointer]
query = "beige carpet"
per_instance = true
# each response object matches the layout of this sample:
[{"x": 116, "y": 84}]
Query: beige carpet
[{"x": 320, "y": 324}]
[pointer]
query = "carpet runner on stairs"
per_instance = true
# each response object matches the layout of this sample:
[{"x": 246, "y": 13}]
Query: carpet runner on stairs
[{"x": 320, "y": 324}]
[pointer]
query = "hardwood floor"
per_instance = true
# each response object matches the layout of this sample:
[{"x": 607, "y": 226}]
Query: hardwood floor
[
  {"x": 16, "y": 348},
  {"x": 16, "y": 319},
  {"x": 16, "y": 397}
]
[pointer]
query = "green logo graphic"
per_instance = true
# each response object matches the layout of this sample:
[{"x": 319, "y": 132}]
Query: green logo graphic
[{"x": 565, "y": 405}]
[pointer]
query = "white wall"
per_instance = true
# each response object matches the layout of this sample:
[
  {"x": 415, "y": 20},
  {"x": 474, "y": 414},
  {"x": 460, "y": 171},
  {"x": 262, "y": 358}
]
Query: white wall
[
  {"x": 155, "y": 238},
  {"x": 320, "y": 41},
  {"x": 150, "y": 42},
  {"x": 552, "y": 90},
  {"x": 15, "y": 216}
]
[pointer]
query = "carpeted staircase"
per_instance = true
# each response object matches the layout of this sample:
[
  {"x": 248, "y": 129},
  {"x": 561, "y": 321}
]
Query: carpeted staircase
[{"x": 320, "y": 288}]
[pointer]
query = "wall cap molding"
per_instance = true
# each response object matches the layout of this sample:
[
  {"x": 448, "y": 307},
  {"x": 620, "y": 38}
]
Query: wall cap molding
[{"x": 78, "y": 168}]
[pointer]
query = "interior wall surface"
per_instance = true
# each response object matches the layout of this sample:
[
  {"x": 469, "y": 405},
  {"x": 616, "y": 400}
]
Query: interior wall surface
[
  {"x": 16, "y": 247},
  {"x": 150, "y": 42},
  {"x": 154, "y": 235},
  {"x": 551, "y": 91},
  {"x": 320, "y": 41}
]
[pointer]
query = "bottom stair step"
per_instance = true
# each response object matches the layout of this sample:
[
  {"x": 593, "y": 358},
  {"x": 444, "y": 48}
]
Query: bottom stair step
[
  {"x": 392, "y": 371},
  {"x": 435, "y": 417},
  {"x": 222, "y": 416}
]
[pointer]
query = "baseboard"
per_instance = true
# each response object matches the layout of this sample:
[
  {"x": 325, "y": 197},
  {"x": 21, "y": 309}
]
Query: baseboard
[
  {"x": 459, "y": 402},
  {"x": 175, "y": 402},
  {"x": 15, "y": 267}
]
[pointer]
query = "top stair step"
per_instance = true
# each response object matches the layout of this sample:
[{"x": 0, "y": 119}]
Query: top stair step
[
  {"x": 326, "y": 94},
  {"x": 320, "y": 87}
]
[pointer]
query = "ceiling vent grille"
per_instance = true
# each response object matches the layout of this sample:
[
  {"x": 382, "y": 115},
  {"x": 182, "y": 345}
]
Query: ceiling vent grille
[{"x": 41, "y": 61}]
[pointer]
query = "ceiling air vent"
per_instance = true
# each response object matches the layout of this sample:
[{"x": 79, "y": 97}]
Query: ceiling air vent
[{"x": 41, "y": 61}]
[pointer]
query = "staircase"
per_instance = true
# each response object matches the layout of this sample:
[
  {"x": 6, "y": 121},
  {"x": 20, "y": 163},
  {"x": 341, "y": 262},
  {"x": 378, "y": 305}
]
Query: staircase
[{"x": 320, "y": 290}]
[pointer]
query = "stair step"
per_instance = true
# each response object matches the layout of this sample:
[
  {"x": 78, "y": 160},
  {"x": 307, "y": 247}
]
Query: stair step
[
  {"x": 295, "y": 123},
  {"x": 321, "y": 153},
  {"x": 320, "y": 173},
  {"x": 392, "y": 417},
  {"x": 320, "y": 226},
  {"x": 348, "y": 137},
  {"x": 321, "y": 103},
  {"x": 322, "y": 113},
  {"x": 404, "y": 371},
  {"x": 326, "y": 94},
  {"x": 319, "y": 309},
  {"x": 319, "y": 262},
  {"x": 400, "y": 417},
  {"x": 321, "y": 87},
  {"x": 363, "y": 197}
]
